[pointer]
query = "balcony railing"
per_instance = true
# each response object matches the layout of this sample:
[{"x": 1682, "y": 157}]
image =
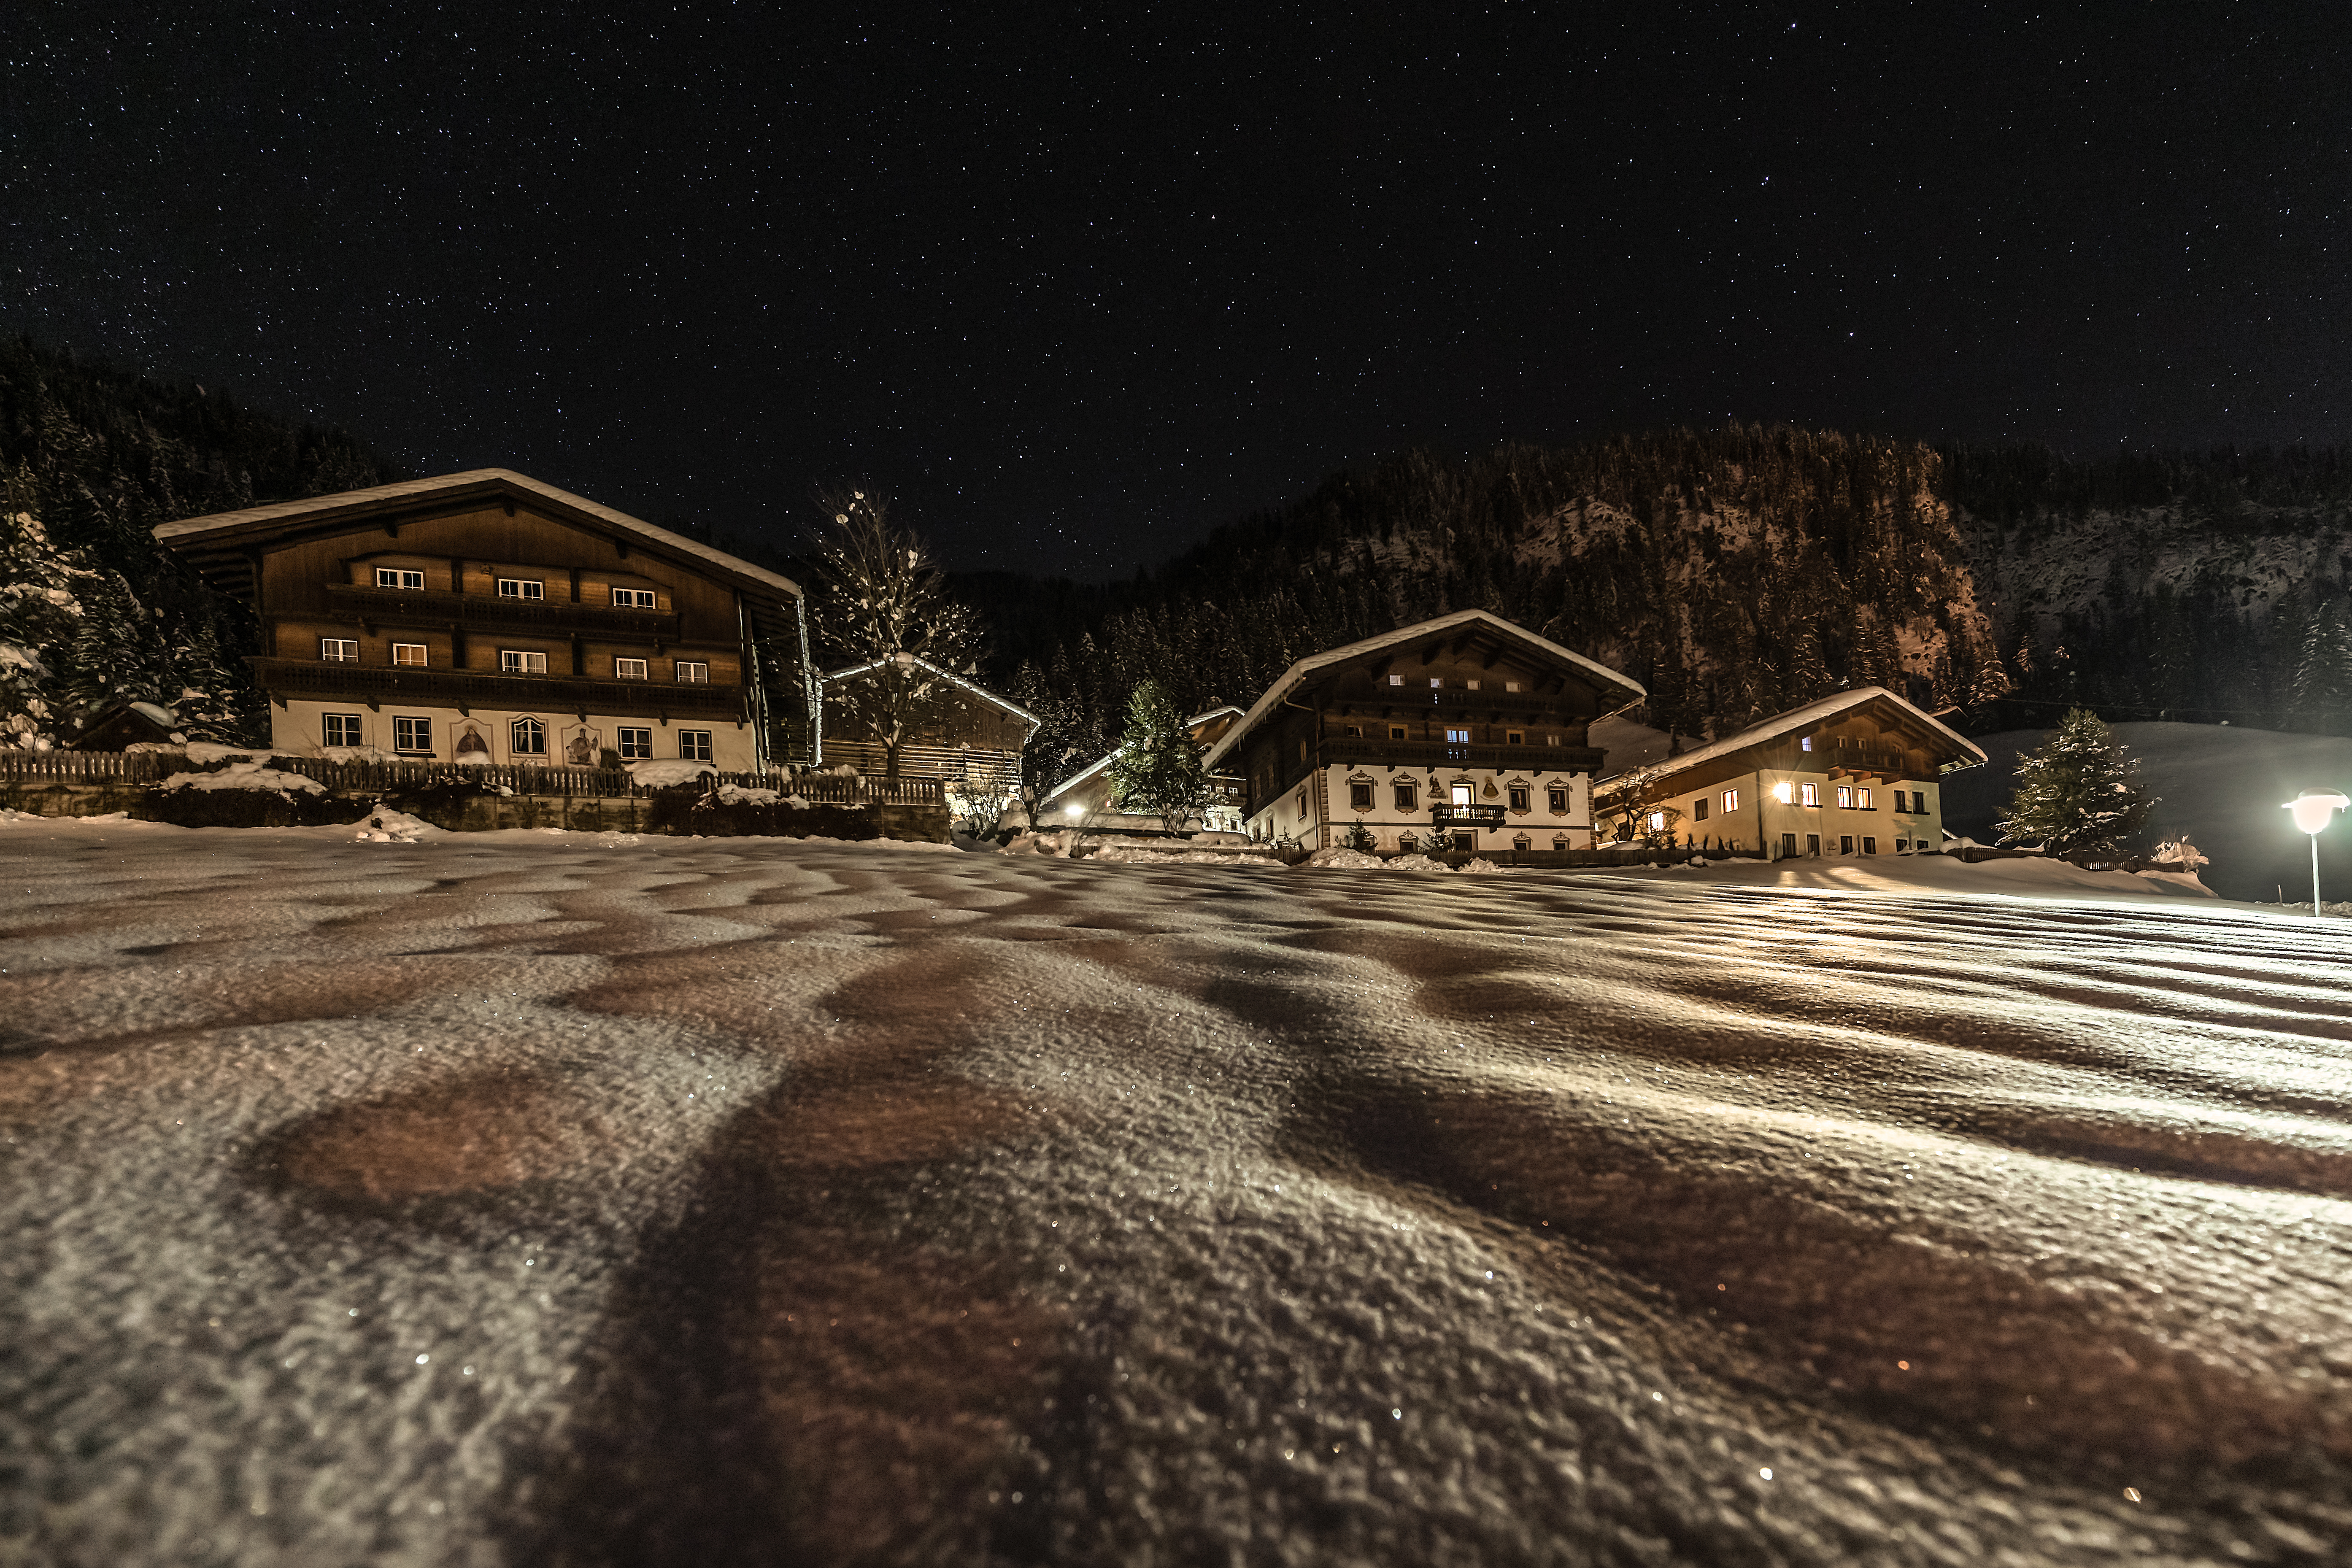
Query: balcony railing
[
  {"x": 466, "y": 689},
  {"x": 1350, "y": 751},
  {"x": 488, "y": 612},
  {"x": 1444, "y": 816}
]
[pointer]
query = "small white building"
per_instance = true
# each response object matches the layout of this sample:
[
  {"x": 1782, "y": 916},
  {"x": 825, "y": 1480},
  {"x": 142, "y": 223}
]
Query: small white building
[
  {"x": 1855, "y": 774},
  {"x": 1466, "y": 732}
]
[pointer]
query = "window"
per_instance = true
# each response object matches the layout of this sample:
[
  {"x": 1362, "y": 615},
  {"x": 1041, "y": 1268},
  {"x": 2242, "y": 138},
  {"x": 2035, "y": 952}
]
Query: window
[
  {"x": 1355, "y": 729},
  {"x": 1699, "y": 809},
  {"x": 339, "y": 650},
  {"x": 521, "y": 661},
  {"x": 1396, "y": 680},
  {"x": 1407, "y": 798},
  {"x": 1298, "y": 806},
  {"x": 1407, "y": 843},
  {"x": 1557, "y": 799},
  {"x": 1788, "y": 846},
  {"x": 1435, "y": 681},
  {"x": 1784, "y": 792},
  {"x": 1560, "y": 841},
  {"x": 1519, "y": 800},
  {"x": 1521, "y": 843},
  {"x": 1515, "y": 737},
  {"x": 520, "y": 588},
  {"x": 632, "y": 598},
  {"x": 694, "y": 745},
  {"x": 408, "y": 653},
  {"x": 528, "y": 737},
  {"x": 1360, "y": 796},
  {"x": 1903, "y": 847},
  {"x": 1919, "y": 802},
  {"x": 1463, "y": 844},
  {"x": 1845, "y": 797},
  {"x": 1730, "y": 801},
  {"x": 1510, "y": 686},
  {"x": 1457, "y": 737},
  {"x": 398, "y": 577},
  {"x": 1870, "y": 846},
  {"x": 1846, "y": 844},
  {"x": 340, "y": 728},
  {"x": 636, "y": 742},
  {"x": 1808, "y": 794},
  {"x": 694, "y": 671},
  {"x": 1861, "y": 799},
  {"x": 628, "y": 669},
  {"x": 1813, "y": 844},
  {"x": 1470, "y": 684},
  {"x": 411, "y": 735},
  {"x": 1551, "y": 740},
  {"x": 1396, "y": 732},
  {"x": 1806, "y": 744}
]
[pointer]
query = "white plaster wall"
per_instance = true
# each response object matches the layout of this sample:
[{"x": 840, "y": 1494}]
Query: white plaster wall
[{"x": 296, "y": 729}]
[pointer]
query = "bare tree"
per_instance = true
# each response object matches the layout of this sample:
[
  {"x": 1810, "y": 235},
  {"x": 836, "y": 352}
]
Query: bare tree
[{"x": 883, "y": 609}]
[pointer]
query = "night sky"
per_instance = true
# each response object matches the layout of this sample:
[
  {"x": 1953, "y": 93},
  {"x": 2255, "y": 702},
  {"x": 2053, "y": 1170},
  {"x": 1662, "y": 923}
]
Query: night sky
[{"x": 1077, "y": 291}]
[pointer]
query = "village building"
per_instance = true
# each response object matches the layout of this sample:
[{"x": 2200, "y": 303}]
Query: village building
[
  {"x": 487, "y": 616},
  {"x": 1085, "y": 797},
  {"x": 1466, "y": 732},
  {"x": 1854, "y": 773},
  {"x": 966, "y": 736}
]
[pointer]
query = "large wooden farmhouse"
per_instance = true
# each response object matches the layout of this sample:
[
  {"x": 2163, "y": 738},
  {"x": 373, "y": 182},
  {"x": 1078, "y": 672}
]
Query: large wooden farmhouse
[
  {"x": 1855, "y": 774},
  {"x": 1466, "y": 732},
  {"x": 485, "y": 615},
  {"x": 958, "y": 732}
]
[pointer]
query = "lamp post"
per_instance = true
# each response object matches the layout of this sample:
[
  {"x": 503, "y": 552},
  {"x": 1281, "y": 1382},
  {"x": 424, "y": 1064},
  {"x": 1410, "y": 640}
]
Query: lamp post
[{"x": 2314, "y": 809}]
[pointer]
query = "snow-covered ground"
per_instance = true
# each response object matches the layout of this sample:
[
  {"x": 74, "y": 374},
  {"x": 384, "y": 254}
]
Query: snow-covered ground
[{"x": 547, "y": 1199}]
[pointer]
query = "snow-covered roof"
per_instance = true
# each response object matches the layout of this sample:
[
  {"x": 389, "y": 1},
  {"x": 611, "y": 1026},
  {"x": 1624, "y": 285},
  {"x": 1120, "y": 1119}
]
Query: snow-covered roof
[
  {"x": 1100, "y": 764},
  {"x": 1297, "y": 674},
  {"x": 1015, "y": 709},
  {"x": 221, "y": 527},
  {"x": 1969, "y": 754}
]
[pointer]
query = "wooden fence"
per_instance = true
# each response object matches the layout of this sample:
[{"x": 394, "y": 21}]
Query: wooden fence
[{"x": 391, "y": 777}]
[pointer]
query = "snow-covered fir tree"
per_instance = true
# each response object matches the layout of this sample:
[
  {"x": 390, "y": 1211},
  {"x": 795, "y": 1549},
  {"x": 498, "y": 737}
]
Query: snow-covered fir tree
[
  {"x": 40, "y": 610},
  {"x": 2323, "y": 671},
  {"x": 1156, "y": 770},
  {"x": 2080, "y": 793},
  {"x": 882, "y": 602}
]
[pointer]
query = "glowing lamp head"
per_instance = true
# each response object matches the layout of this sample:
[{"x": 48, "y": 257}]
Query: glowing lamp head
[
  {"x": 1784, "y": 792},
  {"x": 2315, "y": 808},
  {"x": 1075, "y": 812}
]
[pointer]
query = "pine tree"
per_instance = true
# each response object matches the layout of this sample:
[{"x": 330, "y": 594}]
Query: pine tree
[
  {"x": 2079, "y": 794},
  {"x": 2323, "y": 673},
  {"x": 1156, "y": 770}
]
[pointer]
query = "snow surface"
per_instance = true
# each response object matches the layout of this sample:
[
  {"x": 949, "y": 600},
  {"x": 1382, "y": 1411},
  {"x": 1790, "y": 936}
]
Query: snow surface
[
  {"x": 662, "y": 774},
  {"x": 547, "y": 1198},
  {"x": 247, "y": 775}
]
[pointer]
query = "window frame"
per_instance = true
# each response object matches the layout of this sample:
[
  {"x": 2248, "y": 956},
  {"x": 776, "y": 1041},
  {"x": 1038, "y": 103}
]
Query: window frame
[
  {"x": 634, "y": 742},
  {"x": 639, "y": 599},
  {"x": 330, "y": 723},
  {"x": 326, "y": 643},
  {"x": 517, "y": 728},
  {"x": 422, "y": 659},
  {"x": 398, "y": 720},
  {"x": 1360, "y": 796},
  {"x": 525, "y": 655},
  {"x": 400, "y": 576},
  {"x": 1407, "y": 796},
  {"x": 1556, "y": 799},
  {"x": 679, "y": 667},
  {"x": 1520, "y": 796},
  {"x": 1399, "y": 733},
  {"x": 1699, "y": 809},
  {"x": 1808, "y": 794},
  {"x": 533, "y": 588},
  {"x": 644, "y": 670},
  {"x": 1731, "y": 802}
]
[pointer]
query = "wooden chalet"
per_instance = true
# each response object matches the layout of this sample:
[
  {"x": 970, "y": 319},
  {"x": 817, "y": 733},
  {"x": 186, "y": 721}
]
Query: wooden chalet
[
  {"x": 1855, "y": 774},
  {"x": 1464, "y": 733},
  {"x": 487, "y": 616},
  {"x": 964, "y": 735}
]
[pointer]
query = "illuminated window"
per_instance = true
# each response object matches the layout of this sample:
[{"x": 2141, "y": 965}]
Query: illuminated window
[
  {"x": 1457, "y": 737},
  {"x": 1657, "y": 822},
  {"x": 339, "y": 728},
  {"x": 1519, "y": 800},
  {"x": 1784, "y": 792},
  {"x": 1861, "y": 799},
  {"x": 636, "y": 742},
  {"x": 693, "y": 671},
  {"x": 396, "y": 577},
  {"x": 528, "y": 737},
  {"x": 1435, "y": 681},
  {"x": 1510, "y": 686},
  {"x": 632, "y": 598},
  {"x": 1462, "y": 795},
  {"x": 1360, "y": 796},
  {"x": 1845, "y": 797},
  {"x": 1557, "y": 799},
  {"x": 521, "y": 661},
  {"x": 408, "y": 653},
  {"x": 411, "y": 735},
  {"x": 628, "y": 669},
  {"x": 339, "y": 650},
  {"x": 1730, "y": 801},
  {"x": 1396, "y": 680},
  {"x": 520, "y": 588},
  {"x": 1551, "y": 740},
  {"x": 694, "y": 745},
  {"x": 1408, "y": 798},
  {"x": 1470, "y": 684},
  {"x": 1808, "y": 794}
]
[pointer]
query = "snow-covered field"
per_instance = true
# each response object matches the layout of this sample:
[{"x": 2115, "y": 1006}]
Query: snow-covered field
[{"x": 547, "y": 1199}]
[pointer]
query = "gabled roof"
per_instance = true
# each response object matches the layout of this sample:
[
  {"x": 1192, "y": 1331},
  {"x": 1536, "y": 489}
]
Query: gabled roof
[
  {"x": 1197, "y": 722},
  {"x": 1617, "y": 691},
  {"x": 1965, "y": 752},
  {"x": 216, "y": 543},
  {"x": 1015, "y": 709}
]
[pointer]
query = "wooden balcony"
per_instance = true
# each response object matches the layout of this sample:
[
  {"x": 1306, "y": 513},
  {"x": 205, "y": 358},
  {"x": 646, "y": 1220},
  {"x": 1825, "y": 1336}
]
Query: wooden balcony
[
  {"x": 489, "y": 613},
  {"x": 1353, "y": 752},
  {"x": 466, "y": 689}
]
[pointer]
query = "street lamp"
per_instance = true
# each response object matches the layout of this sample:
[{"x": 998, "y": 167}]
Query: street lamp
[{"x": 2314, "y": 809}]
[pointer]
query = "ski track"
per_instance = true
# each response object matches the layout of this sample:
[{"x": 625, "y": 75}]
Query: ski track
[{"x": 525, "y": 1200}]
